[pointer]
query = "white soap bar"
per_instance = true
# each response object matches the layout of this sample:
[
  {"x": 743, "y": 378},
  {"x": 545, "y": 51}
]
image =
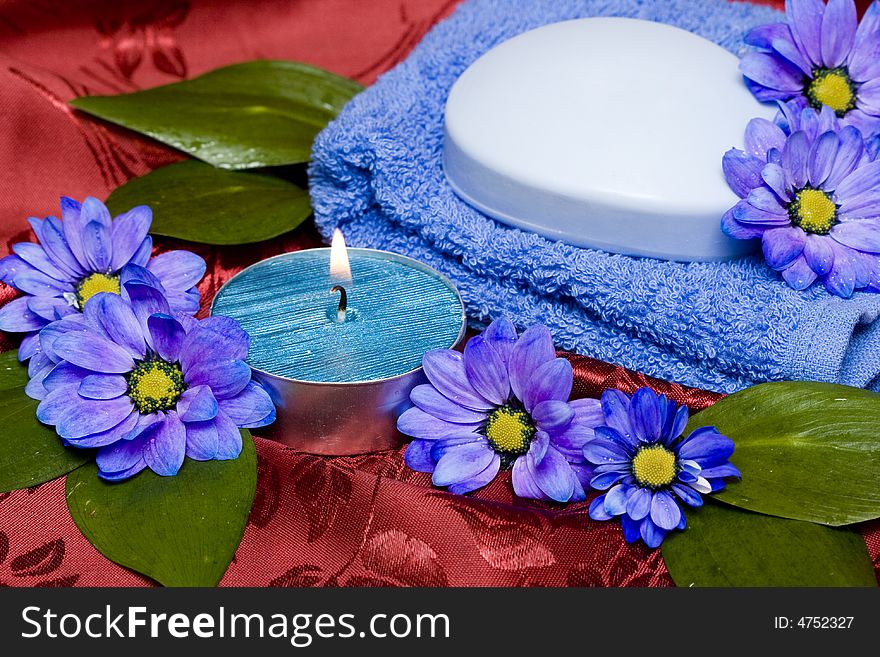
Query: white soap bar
[{"x": 605, "y": 133}]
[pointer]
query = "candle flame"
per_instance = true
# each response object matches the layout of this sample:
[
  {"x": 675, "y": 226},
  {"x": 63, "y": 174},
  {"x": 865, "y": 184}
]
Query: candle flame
[{"x": 340, "y": 270}]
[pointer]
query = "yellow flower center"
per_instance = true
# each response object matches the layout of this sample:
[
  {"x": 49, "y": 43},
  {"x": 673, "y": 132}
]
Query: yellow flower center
[
  {"x": 94, "y": 283},
  {"x": 155, "y": 385},
  {"x": 654, "y": 466},
  {"x": 510, "y": 430},
  {"x": 813, "y": 210},
  {"x": 832, "y": 87}
]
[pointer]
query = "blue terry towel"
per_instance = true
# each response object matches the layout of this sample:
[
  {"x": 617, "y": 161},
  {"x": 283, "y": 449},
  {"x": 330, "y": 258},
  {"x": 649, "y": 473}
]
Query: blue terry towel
[{"x": 377, "y": 174}]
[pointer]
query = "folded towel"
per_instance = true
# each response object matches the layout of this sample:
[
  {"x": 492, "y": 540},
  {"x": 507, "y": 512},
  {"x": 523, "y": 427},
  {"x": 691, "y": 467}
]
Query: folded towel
[{"x": 377, "y": 174}]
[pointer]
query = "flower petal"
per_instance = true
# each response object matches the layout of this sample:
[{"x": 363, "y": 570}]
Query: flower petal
[
  {"x": 417, "y": 423},
  {"x": 478, "y": 480},
  {"x": 534, "y": 348},
  {"x": 197, "y": 404},
  {"x": 764, "y": 199},
  {"x": 860, "y": 235},
  {"x": 838, "y": 31},
  {"x": 523, "y": 480},
  {"x": 849, "y": 154},
  {"x": 551, "y": 381},
  {"x": 110, "y": 314},
  {"x": 615, "y": 405},
  {"x": 251, "y": 408},
  {"x": 747, "y": 213},
  {"x": 229, "y": 443},
  {"x": 644, "y": 415},
  {"x": 774, "y": 175},
  {"x": 602, "y": 452},
  {"x": 782, "y": 245},
  {"x": 639, "y": 504},
  {"x": 617, "y": 498},
  {"x": 818, "y": 254},
  {"x": 798, "y": 275},
  {"x": 98, "y": 245},
  {"x": 486, "y": 370},
  {"x": 120, "y": 456},
  {"x": 864, "y": 61},
  {"x": 822, "y": 154},
  {"x": 805, "y": 21},
  {"x": 552, "y": 475},
  {"x": 87, "y": 416},
  {"x": 145, "y": 300},
  {"x": 688, "y": 495},
  {"x": 761, "y": 135},
  {"x": 167, "y": 336},
  {"x": 127, "y": 234},
  {"x": 165, "y": 446},
  {"x": 863, "y": 179},
  {"x": 706, "y": 446},
  {"x": 201, "y": 440},
  {"x": 552, "y": 415},
  {"x": 427, "y": 398},
  {"x": 108, "y": 437},
  {"x": 178, "y": 270},
  {"x": 226, "y": 377},
  {"x": 445, "y": 370},
  {"x": 741, "y": 171},
  {"x": 93, "y": 352},
  {"x": 772, "y": 71},
  {"x": 103, "y": 386},
  {"x": 214, "y": 337},
  {"x": 418, "y": 456},
  {"x": 796, "y": 159},
  {"x": 841, "y": 280},
  {"x": 501, "y": 334},
  {"x": 33, "y": 281},
  {"x": 16, "y": 317},
  {"x": 54, "y": 238},
  {"x": 665, "y": 512},
  {"x": 462, "y": 462},
  {"x": 36, "y": 256}
]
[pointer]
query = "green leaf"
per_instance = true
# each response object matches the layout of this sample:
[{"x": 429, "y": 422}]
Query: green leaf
[
  {"x": 726, "y": 547},
  {"x": 256, "y": 114},
  {"x": 181, "y": 530},
  {"x": 808, "y": 451},
  {"x": 30, "y": 453},
  {"x": 196, "y": 202}
]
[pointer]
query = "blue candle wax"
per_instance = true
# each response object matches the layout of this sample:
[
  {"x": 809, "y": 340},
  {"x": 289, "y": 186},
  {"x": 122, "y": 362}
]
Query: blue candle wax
[{"x": 397, "y": 310}]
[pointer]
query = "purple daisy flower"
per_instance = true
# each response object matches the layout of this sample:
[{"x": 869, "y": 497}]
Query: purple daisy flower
[
  {"x": 147, "y": 389},
  {"x": 813, "y": 198},
  {"x": 502, "y": 404},
  {"x": 822, "y": 56},
  {"x": 84, "y": 253},
  {"x": 644, "y": 465}
]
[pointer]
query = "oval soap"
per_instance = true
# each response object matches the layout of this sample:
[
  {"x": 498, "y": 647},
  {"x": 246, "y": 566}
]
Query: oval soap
[{"x": 605, "y": 133}]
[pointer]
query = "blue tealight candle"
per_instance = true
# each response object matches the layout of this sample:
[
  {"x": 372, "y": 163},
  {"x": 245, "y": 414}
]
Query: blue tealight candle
[{"x": 340, "y": 348}]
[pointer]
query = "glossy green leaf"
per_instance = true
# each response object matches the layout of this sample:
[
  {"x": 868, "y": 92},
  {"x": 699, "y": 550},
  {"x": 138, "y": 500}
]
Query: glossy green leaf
[
  {"x": 30, "y": 453},
  {"x": 808, "y": 451},
  {"x": 723, "y": 546},
  {"x": 181, "y": 530},
  {"x": 256, "y": 114},
  {"x": 197, "y": 202}
]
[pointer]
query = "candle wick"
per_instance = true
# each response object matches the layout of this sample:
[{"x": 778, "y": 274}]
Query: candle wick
[{"x": 343, "y": 302}]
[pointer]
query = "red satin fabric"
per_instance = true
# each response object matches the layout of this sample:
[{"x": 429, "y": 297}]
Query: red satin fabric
[{"x": 352, "y": 521}]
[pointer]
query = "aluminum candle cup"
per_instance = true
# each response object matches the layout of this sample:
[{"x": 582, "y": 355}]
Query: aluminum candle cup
[{"x": 340, "y": 364}]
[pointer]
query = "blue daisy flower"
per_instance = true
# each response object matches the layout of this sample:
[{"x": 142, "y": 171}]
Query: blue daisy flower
[
  {"x": 84, "y": 253},
  {"x": 146, "y": 388},
  {"x": 503, "y": 404},
  {"x": 822, "y": 56},
  {"x": 646, "y": 468},
  {"x": 813, "y": 199}
]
